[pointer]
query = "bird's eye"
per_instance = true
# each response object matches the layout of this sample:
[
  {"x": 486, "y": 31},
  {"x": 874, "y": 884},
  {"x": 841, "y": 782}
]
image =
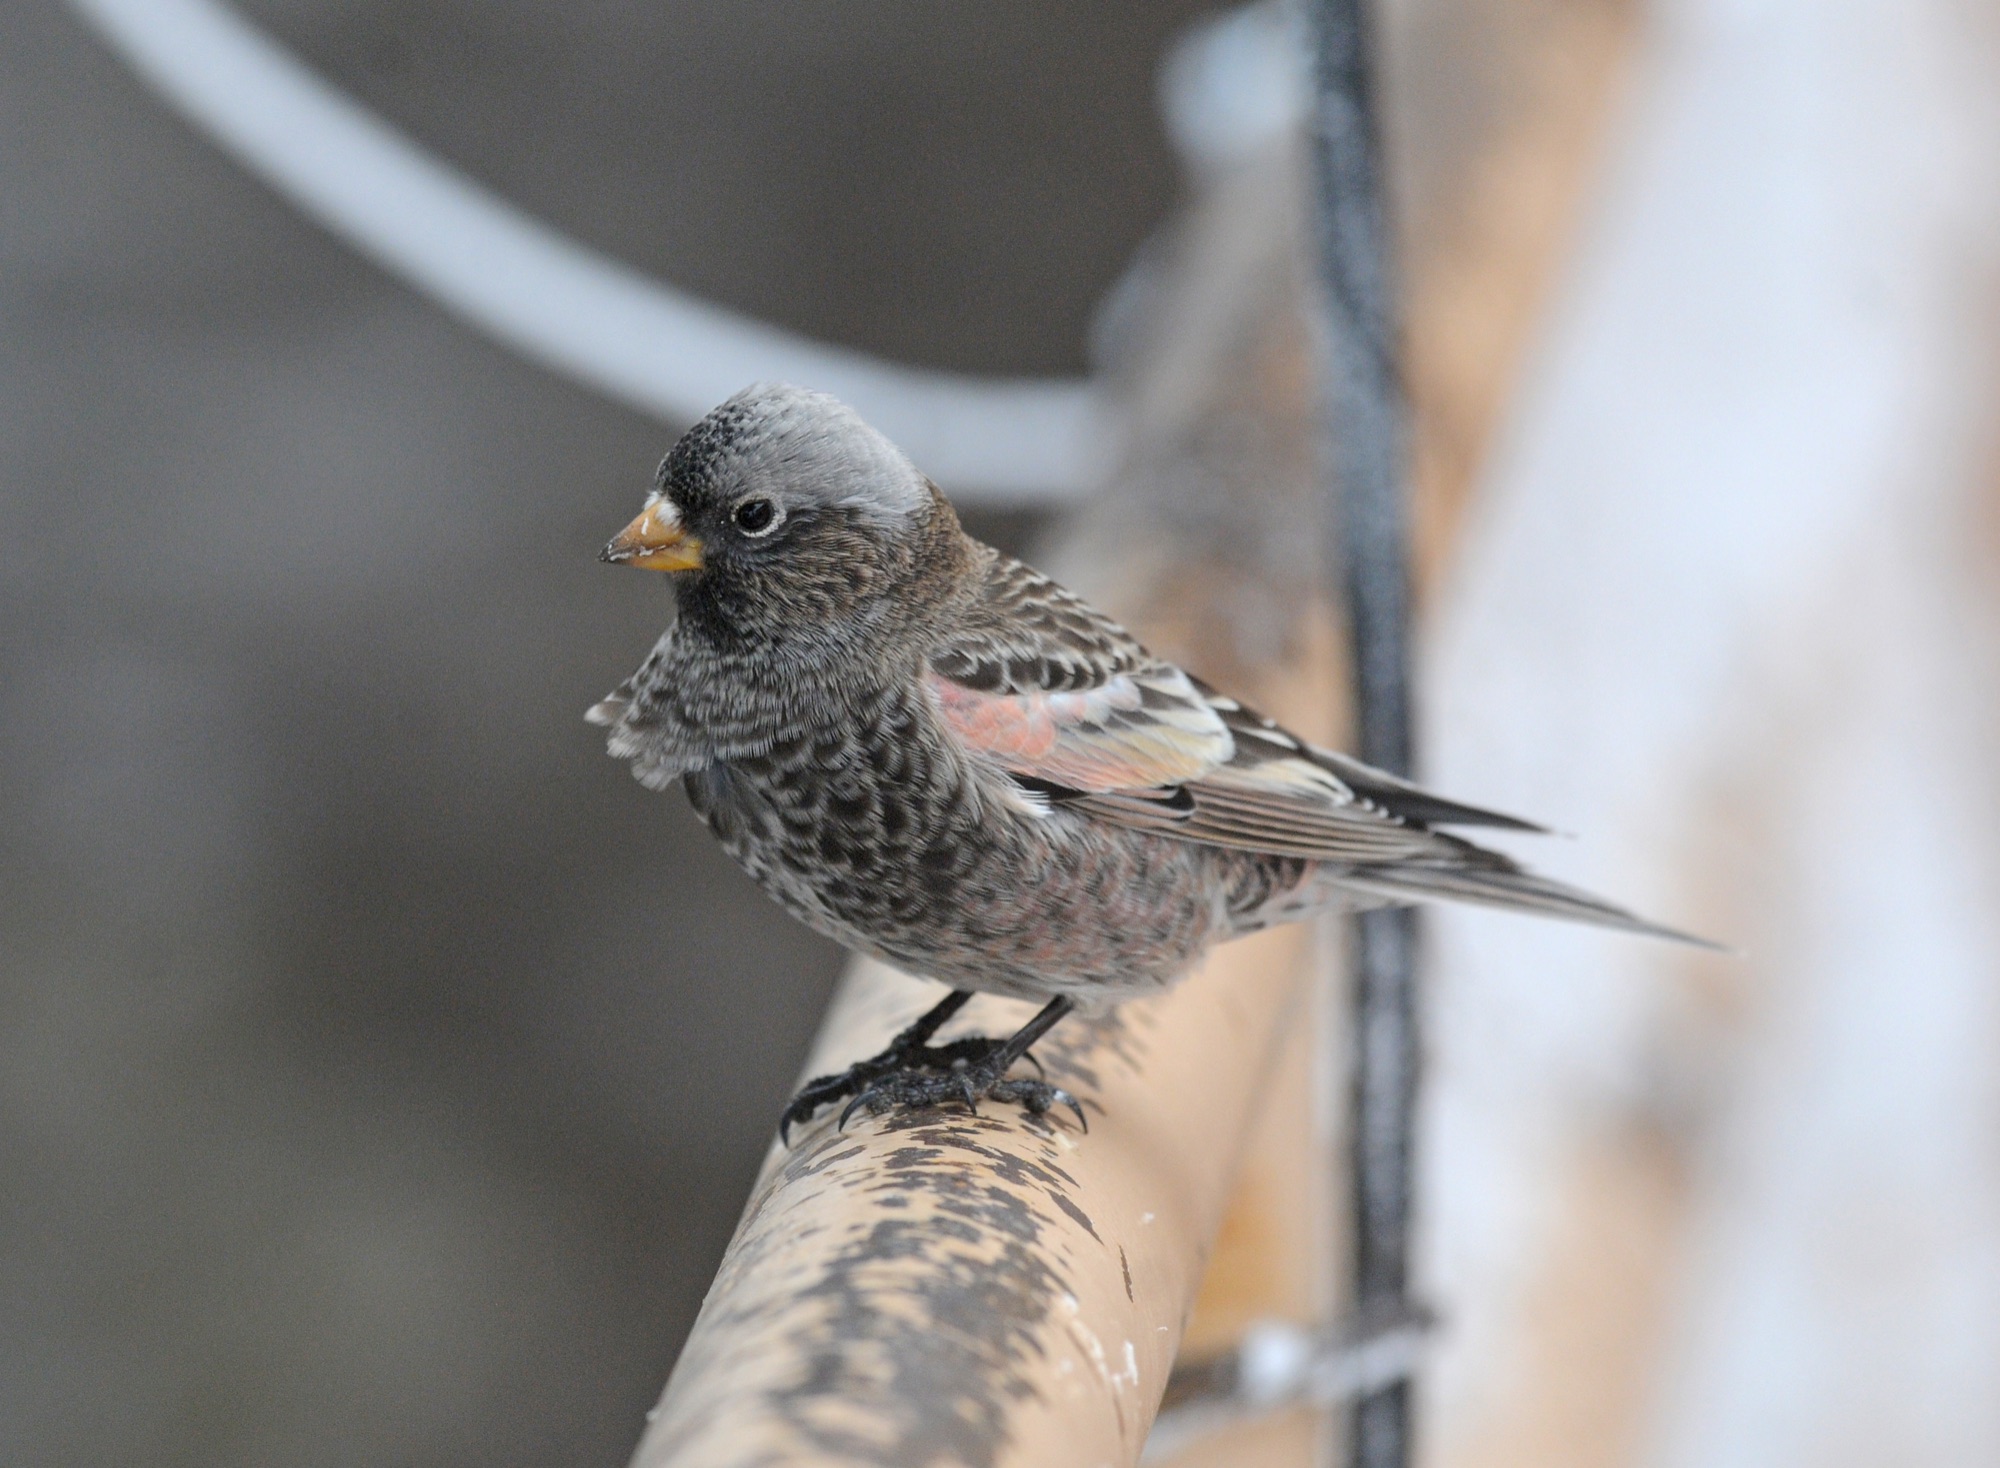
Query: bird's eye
[{"x": 755, "y": 516}]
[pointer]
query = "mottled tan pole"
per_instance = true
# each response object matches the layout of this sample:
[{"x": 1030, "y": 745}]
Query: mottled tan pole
[
  {"x": 934, "y": 1288},
  {"x": 1270, "y": 1261}
]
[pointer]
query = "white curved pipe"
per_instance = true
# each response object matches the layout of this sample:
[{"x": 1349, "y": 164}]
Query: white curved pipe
[{"x": 552, "y": 299}]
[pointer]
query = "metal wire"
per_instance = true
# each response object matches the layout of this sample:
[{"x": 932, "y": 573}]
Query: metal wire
[
  {"x": 1278, "y": 1366},
  {"x": 1002, "y": 441},
  {"x": 1365, "y": 451}
]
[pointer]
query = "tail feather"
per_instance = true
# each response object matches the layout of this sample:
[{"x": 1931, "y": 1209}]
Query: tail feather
[{"x": 1502, "y": 884}]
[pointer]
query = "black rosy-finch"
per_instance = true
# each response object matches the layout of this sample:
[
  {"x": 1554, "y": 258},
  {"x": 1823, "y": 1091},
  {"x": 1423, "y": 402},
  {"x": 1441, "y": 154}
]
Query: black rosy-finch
[{"x": 935, "y": 755}]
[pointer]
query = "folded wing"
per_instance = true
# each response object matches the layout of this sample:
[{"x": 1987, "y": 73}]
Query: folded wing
[{"x": 1069, "y": 705}]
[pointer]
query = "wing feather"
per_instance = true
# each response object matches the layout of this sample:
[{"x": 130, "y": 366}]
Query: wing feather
[
  {"x": 1051, "y": 691},
  {"x": 1111, "y": 737}
]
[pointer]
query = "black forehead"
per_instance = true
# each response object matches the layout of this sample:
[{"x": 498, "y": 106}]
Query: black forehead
[{"x": 687, "y": 474}]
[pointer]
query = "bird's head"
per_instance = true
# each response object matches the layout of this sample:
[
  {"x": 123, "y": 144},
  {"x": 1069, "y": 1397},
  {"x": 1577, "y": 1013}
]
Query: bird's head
[{"x": 783, "y": 515}]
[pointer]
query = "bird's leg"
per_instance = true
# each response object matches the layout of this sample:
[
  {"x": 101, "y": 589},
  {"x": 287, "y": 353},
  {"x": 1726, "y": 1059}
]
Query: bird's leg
[
  {"x": 978, "y": 1073},
  {"x": 917, "y": 1034},
  {"x": 910, "y": 1050},
  {"x": 913, "y": 1072},
  {"x": 1024, "y": 1038}
]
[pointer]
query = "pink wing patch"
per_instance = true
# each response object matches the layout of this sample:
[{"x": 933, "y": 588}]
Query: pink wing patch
[{"x": 1098, "y": 739}]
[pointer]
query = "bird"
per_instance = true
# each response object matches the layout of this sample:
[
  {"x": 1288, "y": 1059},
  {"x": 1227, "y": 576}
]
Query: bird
[{"x": 935, "y": 755}]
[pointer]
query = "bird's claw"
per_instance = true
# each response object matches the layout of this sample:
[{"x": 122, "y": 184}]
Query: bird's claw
[
  {"x": 916, "y": 1090},
  {"x": 915, "y": 1077}
]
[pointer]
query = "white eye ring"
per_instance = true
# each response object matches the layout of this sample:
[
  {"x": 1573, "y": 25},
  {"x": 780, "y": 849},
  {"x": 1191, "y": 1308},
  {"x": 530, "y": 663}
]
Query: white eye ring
[{"x": 753, "y": 527}]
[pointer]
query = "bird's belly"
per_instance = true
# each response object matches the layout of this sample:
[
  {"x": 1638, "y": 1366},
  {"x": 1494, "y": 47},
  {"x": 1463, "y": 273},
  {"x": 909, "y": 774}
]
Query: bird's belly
[{"x": 978, "y": 897}]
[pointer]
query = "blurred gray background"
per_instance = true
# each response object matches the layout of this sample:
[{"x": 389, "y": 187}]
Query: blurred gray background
[{"x": 381, "y": 1070}]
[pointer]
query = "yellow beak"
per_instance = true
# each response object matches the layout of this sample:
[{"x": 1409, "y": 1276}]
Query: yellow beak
[{"x": 655, "y": 542}]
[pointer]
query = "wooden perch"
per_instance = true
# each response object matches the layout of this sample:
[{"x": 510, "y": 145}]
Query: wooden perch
[{"x": 936, "y": 1287}]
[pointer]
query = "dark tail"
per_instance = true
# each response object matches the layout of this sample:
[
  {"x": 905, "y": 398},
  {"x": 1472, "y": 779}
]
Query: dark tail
[{"x": 1492, "y": 880}]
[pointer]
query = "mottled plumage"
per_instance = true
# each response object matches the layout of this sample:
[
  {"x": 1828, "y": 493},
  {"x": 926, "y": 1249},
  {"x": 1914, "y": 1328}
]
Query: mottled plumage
[{"x": 933, "y": 754}]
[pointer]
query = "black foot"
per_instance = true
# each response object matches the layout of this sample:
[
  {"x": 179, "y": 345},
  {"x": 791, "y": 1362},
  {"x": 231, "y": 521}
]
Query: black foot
[
  {"x": 967, "y": 1085},
  {"x": 915, "y": 1073}
]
